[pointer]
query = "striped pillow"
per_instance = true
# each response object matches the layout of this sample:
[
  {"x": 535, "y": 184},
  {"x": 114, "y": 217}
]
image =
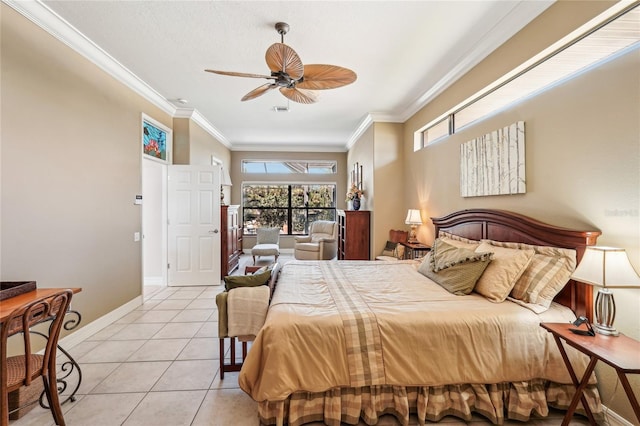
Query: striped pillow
[{"x": 547, "y": 273}]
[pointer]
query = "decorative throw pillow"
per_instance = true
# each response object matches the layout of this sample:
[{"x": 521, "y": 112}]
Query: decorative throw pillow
[
  {"x": 399, "y": 251},
  {"x": 547, "y": 273},
  {"x": 389, "y": 249},
  {"x": 265, "y": 268},
  {"x": 501, "y": 275},
  {"x": 254, "y": 280},
  {"x": 457, "y": 269},
  {"x": 458, "y": 241}
]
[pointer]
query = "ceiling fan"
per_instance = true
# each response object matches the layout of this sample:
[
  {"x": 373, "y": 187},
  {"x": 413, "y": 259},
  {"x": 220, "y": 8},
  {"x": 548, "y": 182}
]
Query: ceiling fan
[{"x": 296, "y": 81}]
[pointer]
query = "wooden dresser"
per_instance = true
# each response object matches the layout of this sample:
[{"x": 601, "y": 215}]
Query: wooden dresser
[
  {"x": 230, "y": 239},
  {"x": 353, "y": 234}
]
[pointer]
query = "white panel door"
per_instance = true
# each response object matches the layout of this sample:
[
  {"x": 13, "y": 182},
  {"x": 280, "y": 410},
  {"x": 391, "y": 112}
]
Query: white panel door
[{"x": 194, "y": 223}]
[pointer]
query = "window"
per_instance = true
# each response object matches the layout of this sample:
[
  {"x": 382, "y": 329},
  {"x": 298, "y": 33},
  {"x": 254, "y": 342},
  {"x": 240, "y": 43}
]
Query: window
[
  {"x": 292, "y": 207},
  {"x": 436, "y": 132},
  {"x": 289, "y": 167},
  {"x": 618, "y": 34}
]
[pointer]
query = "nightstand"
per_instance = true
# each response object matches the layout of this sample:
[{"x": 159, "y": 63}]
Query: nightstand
[
  {"x": 415, "y": 250},
  {"x": 619, "y": 352}
]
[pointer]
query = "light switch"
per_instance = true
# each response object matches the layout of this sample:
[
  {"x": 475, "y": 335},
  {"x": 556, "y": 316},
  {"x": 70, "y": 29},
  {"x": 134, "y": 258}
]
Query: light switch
[{"x": 136, "y": 236}]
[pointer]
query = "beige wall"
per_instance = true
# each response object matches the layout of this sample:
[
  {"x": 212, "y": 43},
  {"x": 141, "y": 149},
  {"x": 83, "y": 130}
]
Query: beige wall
[
  {"x": 203, "y": 146},
  {"x": 388, "y": 183},
  {"x": 181, "y": 141},
  {"x": 362, "y": 152},
  {"x": 380, "y": 152},
  {"x": 237, "y": 178},
  {"x": 582, "y": 160},
  {"x": 71, "y": 167}
]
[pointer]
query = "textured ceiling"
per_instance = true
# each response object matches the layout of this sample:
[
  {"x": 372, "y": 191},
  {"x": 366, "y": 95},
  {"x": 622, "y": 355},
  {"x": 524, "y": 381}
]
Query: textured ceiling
[{"x": 403, "y": 52}]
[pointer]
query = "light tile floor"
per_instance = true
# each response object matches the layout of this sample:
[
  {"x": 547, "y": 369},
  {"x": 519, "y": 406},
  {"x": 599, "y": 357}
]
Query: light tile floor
[{"x": 158, "y": 365}]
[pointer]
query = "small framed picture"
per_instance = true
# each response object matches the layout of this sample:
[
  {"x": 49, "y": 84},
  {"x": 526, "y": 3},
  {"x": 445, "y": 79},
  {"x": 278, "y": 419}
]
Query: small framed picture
[{"x": 156, "y": 140}]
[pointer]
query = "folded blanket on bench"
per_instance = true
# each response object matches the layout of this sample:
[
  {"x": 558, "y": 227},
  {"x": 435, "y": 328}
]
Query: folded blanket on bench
[{"x": 246, "y": 311}]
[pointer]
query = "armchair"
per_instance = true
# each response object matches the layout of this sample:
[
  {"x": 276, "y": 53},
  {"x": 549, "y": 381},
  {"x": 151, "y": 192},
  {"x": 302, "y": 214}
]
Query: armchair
[{"x": 320, "y": 244}]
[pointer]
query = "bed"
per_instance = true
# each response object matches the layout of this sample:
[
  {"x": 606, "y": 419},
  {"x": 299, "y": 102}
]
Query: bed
[{"x": 348, "y": 341}]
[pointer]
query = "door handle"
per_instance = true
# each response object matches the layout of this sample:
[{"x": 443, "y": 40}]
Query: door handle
[{"x": 215, "y": 231}]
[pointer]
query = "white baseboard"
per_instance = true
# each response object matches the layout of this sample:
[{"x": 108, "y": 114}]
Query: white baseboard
[
  {"x": 93, "y": 327},
  {"x": 614, "y": 419}
]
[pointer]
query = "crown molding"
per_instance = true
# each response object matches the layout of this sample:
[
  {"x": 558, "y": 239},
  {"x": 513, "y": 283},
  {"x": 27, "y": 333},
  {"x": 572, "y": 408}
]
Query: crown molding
[
  {"x": 508, "y": 26},
  {"x": 200, "y": 120},
  {"x": 45, "y": 18},
  {"x": 319, "y": 147},
  {"x": 38, "y": 13},
  {"x": 362, "y": 127}
]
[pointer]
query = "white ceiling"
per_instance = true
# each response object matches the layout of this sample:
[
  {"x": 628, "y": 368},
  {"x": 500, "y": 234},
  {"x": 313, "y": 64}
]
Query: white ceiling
[{"x": 404, "y": 53}]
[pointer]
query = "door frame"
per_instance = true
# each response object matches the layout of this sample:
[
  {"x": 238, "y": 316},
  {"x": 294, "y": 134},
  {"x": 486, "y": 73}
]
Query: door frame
[{"x": 163, "y": 198}]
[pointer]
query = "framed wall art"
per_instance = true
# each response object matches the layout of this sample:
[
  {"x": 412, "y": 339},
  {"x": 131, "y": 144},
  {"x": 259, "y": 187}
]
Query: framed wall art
[
  {"x": 156, "y": 140},
  {"x": 494, "y": 164}
]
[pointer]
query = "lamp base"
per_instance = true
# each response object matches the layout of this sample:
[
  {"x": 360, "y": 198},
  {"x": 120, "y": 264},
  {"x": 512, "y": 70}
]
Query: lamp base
[
  {"x": 413, "y": 238},
  {"x": 607, "y": 331},
  {"x": 222, "y": 197},
  {"x": 605, "y": 313}
]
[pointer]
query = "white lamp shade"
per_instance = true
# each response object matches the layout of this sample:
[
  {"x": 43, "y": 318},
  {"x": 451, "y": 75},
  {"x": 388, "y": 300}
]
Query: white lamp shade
[
  {"x": 225, "y": 179},
  {"x": 413, "y": 217},
  {"x": 606, "y": 267}
]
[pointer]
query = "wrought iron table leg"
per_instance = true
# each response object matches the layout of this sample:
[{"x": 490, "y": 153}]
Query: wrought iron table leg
[{"x": 68, "y": 367}]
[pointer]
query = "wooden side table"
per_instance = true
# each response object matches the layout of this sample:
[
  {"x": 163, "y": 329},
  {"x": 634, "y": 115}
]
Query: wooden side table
[
  {"x": 619, "y": 352},
  {"x": 415, "y": 250}
]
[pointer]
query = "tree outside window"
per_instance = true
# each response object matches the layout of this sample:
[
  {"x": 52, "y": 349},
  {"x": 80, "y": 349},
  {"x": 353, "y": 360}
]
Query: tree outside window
[{"x": 291, "y": 207}]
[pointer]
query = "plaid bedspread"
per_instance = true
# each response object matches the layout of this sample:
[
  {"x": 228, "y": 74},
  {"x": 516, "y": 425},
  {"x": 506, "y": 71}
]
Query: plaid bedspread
[{"x": 362, "y": 336}]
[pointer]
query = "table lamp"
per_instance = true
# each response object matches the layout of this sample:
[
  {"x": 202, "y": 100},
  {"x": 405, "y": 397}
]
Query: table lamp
[
  {"x": 414, "y": 219},
  {"x": 606, "y": 267},
  {"x": 225, "y": 180}
]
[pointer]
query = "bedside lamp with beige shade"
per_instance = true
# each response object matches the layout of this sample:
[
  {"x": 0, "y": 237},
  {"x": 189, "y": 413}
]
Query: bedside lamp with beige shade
[
  {"x": 414, "y": 219},
  {"x": 606, "y": 267}
]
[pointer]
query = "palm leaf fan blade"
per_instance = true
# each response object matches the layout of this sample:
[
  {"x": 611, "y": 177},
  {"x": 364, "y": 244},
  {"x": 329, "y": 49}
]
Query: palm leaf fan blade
[
  {"x": 282, "y": 58},
  {"x": 299, "y": 95},
  {"x": 258, "y": 91},
  {"x": 240, "y": 74},
  {"x": 321, "y": 77}
]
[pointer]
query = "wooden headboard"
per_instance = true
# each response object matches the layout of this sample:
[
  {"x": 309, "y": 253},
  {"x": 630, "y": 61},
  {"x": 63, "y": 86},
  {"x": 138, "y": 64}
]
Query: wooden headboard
[{"x": 500, "y": 225}]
